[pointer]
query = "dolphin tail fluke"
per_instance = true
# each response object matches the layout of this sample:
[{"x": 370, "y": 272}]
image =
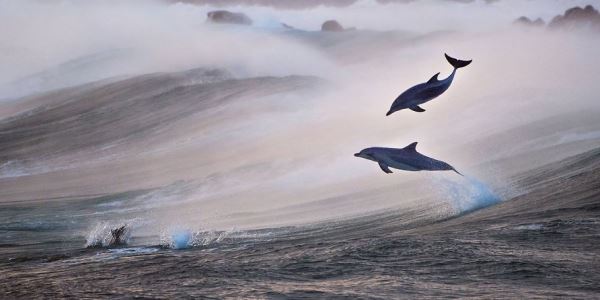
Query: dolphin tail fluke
[
  {"x": 457, "y": 63},
  {"x": 457, "y": 172}
]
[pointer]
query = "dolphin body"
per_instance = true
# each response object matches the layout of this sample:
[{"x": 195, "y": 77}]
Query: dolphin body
[
  {"x": 406, "y": 158},
  {"x": 427, "y": 91},
  {"x": 118, "y": 236}
]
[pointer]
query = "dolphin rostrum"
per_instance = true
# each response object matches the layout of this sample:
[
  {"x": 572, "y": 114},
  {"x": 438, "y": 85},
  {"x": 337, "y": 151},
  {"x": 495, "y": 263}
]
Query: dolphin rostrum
[
  {"x": 406, "y": 158},
  {"x": 427, "y": 91}
]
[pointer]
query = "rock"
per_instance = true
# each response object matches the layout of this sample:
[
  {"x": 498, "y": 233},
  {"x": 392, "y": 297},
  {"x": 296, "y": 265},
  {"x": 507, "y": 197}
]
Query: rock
[
  {"x": 394, "y": 1},
  {"x": 577, "y": 17},
  {"x": 332, "y": 25},
  {"x": 227, "y": 17},
  {"x": 525, "y": 21},
  {"x": 286, "y": 26},
  {"x": 279, "y": 4}
]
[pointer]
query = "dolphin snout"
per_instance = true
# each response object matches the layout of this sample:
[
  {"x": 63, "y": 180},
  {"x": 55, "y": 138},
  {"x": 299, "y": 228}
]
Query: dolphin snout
[{"x": 357, "y": 154}]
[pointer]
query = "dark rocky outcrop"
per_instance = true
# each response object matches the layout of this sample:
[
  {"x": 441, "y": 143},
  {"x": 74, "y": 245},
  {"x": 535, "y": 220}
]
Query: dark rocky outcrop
[
  {"x": 393, "y": 1},
  {"x": 577, "y": 17},
  {"x": 332, "y": 26},
  {"x": 300, "y": 4},
  {"x": 227, "y": 17},
  {"x": 281, "y": 4},
  {"x": 573, "y": 18},
  {"x": 525, "y": 21}
]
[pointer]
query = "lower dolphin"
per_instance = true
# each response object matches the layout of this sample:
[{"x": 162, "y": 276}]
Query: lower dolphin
[{"x": 406, "y": 158}]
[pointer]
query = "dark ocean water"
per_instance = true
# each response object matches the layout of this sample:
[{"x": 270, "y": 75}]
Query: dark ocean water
[{"x": 540, "y": 244}]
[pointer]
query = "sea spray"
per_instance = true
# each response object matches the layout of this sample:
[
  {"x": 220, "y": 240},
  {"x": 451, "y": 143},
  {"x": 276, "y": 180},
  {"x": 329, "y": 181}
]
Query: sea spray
[
  {"x": 101, "y": 235},
  {"x": 179, "y": 238},
  {"x": 466, "y": 194}
]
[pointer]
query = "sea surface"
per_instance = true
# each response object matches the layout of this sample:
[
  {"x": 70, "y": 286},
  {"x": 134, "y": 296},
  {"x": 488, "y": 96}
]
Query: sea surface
[{"x": 542, "y": 243}]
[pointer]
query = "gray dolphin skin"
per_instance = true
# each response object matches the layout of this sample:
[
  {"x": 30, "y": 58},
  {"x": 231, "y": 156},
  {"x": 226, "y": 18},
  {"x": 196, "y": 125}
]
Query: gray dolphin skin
[
  {"x": 427, "y": 91},
  {"x": 406, "y": 158}
]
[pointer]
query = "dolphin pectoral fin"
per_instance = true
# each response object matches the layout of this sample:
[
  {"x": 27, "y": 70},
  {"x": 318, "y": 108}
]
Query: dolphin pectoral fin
[
  {"x": 434, "y": 78},
  {"x": 385, "y": 168},
  {"x": 417, "y": 108}
]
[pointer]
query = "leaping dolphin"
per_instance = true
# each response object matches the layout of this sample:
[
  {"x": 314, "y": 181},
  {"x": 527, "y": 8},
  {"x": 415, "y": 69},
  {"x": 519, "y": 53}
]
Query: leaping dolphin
[
  {"x": 406, "y": 158},
  {"x": 427, "y": 91},
  {"x": 119, "y": 236}
]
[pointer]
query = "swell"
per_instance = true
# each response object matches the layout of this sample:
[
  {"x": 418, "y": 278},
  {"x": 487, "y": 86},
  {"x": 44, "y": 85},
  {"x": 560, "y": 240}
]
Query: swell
[
  {"x": 71, "y": 139},
  {"x": 125, "y": 109}
]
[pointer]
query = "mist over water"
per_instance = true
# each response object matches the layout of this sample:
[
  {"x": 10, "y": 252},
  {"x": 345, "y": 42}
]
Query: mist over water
[
  {"x": 96, "y": 40},
  {"x": 279, "y": 151}
]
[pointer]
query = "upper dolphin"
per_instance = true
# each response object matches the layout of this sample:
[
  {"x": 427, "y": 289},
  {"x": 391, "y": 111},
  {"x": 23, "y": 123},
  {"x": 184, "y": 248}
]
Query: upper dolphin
[
  {"x": 406, "y": 158},
  {"x": 427, "y": 91}
]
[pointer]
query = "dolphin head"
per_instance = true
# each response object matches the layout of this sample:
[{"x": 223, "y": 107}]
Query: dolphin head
[
  {"x": 402, "y": 102},
  {"x": 398, "y": 105},
  {"x": 366, "y": 154},
  {"x": 407, "y": 99}
]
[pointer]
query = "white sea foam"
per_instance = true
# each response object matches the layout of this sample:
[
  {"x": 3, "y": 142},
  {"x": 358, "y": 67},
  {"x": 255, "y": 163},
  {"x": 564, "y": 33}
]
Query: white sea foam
[
  {"x": 529, "y": 227},
  {"x": 179, "y": 238}
]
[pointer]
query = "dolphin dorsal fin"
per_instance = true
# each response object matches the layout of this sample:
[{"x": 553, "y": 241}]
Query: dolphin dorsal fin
[
  {"x": 412, "y": 147},
  {"x": 434, "y": 78}
]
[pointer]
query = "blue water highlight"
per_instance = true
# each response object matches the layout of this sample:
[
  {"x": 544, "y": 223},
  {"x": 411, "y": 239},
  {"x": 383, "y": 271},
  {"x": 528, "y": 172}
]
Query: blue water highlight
[{"x": 468, "y": 194}]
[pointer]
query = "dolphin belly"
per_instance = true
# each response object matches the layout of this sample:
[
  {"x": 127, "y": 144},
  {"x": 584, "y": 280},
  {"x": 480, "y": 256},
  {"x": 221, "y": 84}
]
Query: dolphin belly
[
  {"x": 420, "y": 94},
  {"x": 400, "y": 165},
  {"x": 431, "y": 92}
]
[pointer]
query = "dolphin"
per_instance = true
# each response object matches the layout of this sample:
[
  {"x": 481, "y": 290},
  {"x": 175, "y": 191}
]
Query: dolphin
[
  {"x": 406, "y": 158},
  {"x": 119, "y": 236},
  {"x": 427, "y": 91}
]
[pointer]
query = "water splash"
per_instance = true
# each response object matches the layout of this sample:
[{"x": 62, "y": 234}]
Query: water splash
[
  {"x": 467, "y": 194},
  {"x": 184, "y": 238},
  {"x": 100, "y": 235},
  {"x": 181, "y": 239}
]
